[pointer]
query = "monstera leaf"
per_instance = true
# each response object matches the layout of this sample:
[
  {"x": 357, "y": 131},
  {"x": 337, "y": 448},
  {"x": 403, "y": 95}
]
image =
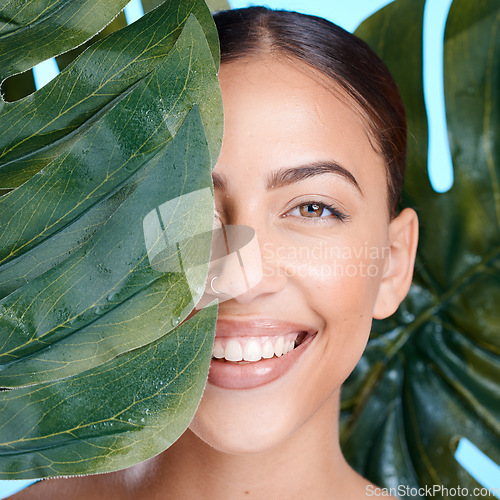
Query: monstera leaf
[
  {"x": 105, "y": 237},
  {"x": 35, "y": 31},
  {"x": 431, "y": 372}
]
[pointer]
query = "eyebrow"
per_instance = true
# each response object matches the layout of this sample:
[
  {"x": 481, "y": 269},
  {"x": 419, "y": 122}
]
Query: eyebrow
[
  {"x": 285, "y": 177},
  {"x": 288, "y": 176}
]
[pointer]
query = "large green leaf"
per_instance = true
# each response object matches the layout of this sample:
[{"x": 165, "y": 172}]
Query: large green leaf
[
  {"x": 111, "y": 268},
  {"x": 140, "y": 124},
  {"x": 431, "y": 372},
  {"x": 104, "y": 248},
  {"x": 117, "y": 415},
  {"x": 31, "y": 32},
  {"x": 90, "y": 307},
  {"x": 39, "y": 128}
]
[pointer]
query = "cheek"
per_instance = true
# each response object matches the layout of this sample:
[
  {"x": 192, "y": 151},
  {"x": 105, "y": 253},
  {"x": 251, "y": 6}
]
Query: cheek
[
  {"x": 345, "y": 279},
  {"x": 342, "y": 292}
]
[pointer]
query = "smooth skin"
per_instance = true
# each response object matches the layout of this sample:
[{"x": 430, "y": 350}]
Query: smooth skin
[{"x": 280, "y": 440}]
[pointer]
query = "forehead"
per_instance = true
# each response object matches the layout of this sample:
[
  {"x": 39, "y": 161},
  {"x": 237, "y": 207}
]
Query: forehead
[{"x": 282, "y": 112}]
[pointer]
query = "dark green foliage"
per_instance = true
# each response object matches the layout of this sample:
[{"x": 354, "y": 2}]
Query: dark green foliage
[{"x": 431, "y": 373}]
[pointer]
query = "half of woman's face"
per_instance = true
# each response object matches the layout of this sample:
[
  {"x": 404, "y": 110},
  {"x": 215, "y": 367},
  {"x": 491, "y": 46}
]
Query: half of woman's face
[{"x": 297, "y": 166}]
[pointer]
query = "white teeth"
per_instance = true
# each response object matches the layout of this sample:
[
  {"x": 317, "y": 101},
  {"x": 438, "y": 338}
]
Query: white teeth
[
  {"x": 233, "y": 351},
  {"x": 218, "y": 350},
  {"x": 286, "y": 345},
  {"x": 278, "y": 346},
  {"x": 268, "y": 349},
  {"x": 252, "y": 349}
]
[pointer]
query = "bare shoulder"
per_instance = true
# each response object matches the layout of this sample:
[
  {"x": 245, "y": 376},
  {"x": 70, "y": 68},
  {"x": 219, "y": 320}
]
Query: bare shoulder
[
  {"x": 120, "y": 485},
  {"x": 350, "y": 485},
  {"x": 95, "y": 487},
  {"x": 124, "y": 484}
]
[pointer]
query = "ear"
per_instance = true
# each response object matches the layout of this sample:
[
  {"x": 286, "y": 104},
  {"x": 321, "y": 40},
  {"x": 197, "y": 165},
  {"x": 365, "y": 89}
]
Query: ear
[{"x": 398, "y": 265}]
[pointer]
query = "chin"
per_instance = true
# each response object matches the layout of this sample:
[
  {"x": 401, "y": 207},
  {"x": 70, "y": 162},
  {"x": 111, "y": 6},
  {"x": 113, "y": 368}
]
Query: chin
[
  {"x": 244, "y": 422},
  {"x": 234, "y": 443}
]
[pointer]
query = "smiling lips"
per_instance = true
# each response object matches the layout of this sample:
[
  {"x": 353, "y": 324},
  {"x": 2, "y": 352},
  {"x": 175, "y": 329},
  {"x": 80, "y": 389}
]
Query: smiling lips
[
  {"x": 255, "y": 348},
  {"x": 251, "y": 353}
]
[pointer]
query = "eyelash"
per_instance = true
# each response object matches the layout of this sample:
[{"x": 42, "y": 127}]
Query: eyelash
[{"x": 335, "y": 212}]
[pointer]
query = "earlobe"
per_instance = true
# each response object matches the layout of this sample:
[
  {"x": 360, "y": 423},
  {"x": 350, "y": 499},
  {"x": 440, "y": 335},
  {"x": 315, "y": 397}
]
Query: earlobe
[{"x": 398, "y": 265}]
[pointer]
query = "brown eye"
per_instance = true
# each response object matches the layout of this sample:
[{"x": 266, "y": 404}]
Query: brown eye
[
  {"x": 317, "y": 210},
  {"x": 311, "y": 210}
]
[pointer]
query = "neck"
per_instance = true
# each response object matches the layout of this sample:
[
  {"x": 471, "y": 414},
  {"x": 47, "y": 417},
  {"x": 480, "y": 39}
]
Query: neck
[{"x": 309, "y": 464}]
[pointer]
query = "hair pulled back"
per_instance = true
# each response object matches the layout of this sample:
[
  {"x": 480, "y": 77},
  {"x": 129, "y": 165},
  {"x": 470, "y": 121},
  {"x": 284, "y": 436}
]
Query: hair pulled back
[{"x": 337, "y": 54}]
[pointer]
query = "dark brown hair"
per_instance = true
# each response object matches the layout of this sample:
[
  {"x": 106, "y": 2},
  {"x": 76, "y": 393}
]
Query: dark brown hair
[{"x": 339, "y": 55}]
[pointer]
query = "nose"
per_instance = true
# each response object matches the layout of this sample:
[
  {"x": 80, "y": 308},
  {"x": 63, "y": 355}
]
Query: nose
[{"x": 242, "y": 267}]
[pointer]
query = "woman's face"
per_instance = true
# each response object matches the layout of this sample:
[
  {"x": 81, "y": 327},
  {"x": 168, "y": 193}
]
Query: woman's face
[{"x": 298, "y": 167}]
